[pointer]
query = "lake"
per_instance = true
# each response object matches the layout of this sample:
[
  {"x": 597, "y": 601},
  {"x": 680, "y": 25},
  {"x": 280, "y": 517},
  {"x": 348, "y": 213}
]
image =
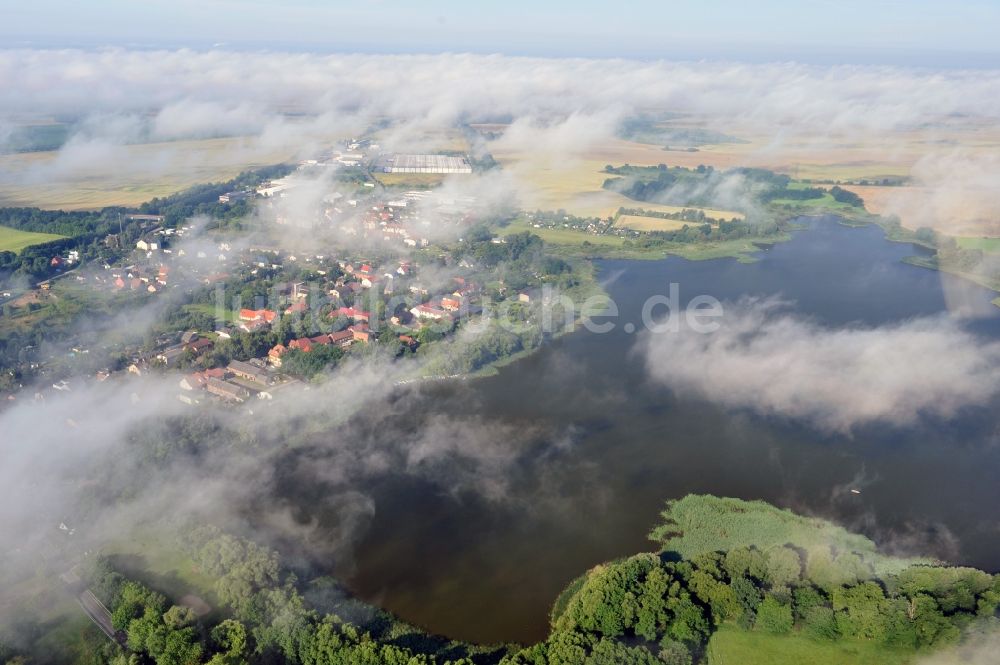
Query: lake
[{"x": 574, "y": 450}]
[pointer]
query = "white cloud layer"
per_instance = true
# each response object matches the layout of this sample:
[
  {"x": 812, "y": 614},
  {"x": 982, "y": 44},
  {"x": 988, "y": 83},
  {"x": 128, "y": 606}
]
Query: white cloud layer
[
  {"x": 776, "y": 363},
  {"x": 197, "y": 91}
]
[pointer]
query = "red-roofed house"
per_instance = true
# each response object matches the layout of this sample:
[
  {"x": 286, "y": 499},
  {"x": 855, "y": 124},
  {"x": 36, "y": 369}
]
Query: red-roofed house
[
  {"x": 351, "y": 313},
  {"x": 254, "y": 315},
  {"x": 274, "y": 355},
  {"x": 342, "y": 339},
  {"x": 199, "y": 346},
  {"x": 305, "y": 344},
  {"x": 198, "y": 380}
]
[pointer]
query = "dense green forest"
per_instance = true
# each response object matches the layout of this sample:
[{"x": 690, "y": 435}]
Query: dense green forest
[{"x": 724, "y": 565}]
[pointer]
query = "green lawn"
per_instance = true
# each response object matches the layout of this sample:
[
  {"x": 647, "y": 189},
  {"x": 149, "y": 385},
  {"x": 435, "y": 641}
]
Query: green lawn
[
  {"x": 13, "y": 240},
  {"x": 153, "y": 559},
  {"x": 991, "y": 245},
  {"x": 826, "y": 202},
  {"x": 209, "y": 309},
  {"x": 697, "y": 524},
  {"x": 732, "y": 646}
]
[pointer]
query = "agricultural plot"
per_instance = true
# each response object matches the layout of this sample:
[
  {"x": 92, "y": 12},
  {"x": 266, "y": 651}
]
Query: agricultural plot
[
  {"x": 988, "y": 245},
  {"x": 573, "y": 182},
  {"x": 418, "y": 180},
  {"x": 14, "y": 240},
  {"x": 950, "y": 208},
  {"x": 135, "y": 174}
]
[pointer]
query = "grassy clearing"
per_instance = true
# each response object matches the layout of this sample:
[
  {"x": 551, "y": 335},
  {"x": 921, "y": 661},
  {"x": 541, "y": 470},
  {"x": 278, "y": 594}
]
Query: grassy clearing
[
  {"x": 702, "y": 523},
  {"x": 989, "y": 245},
  {"x": 14, "y": 240},
  {"x": 229, "y": 316},
  {"x": 826, "y": 203},
  {"x": 161, "y": 565},
  {"x": 563, "y": 236},
  {"x": 642, "y": 223},
  {"x": 731, "y": 646}
]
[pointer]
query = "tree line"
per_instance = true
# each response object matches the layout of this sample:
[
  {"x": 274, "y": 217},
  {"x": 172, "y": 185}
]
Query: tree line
[{"x": 658, "y": 608}]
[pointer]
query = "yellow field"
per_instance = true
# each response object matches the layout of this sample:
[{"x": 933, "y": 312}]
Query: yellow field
[
  {"x": 409, "y": 179},
  {"x": 954, "y": 210},
  {"x": 574, "y": 182},
  {"x": 132, "y": 174},
  {"x": 644, "y": 223},
  {"x": 573, "y": 185}
]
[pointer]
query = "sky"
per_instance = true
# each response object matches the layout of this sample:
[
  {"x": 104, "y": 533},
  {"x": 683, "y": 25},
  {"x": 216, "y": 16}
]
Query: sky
[{"x": 932, "y": 33}]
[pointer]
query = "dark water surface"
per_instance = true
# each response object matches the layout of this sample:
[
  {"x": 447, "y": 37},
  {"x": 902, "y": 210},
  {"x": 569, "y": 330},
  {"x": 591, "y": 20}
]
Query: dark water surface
[{"x": 605, "y": 448}]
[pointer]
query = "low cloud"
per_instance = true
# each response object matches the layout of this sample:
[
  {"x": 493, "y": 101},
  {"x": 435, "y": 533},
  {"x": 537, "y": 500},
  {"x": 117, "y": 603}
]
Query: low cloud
[
  {"x": 768, "y": 360},
  {"x": 196, "y": 119},
  {"x": 126, "y": 111},
  {"x": 955, "y": 192},
  {"x": 977, "y": 649},
  {"x": 452, "y": 87}
]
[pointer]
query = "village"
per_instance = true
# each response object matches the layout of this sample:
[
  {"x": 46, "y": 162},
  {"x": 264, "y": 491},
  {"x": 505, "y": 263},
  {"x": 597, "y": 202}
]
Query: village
[{"x": 247, "y": 317}]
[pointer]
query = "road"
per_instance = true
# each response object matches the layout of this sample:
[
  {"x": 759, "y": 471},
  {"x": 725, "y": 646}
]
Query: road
[{"x": 99, "y": 614}]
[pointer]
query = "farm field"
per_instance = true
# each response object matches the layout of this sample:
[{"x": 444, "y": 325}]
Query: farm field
[
  {"x": 574, "y": 186},
  {"x": 988, "y": 245},
  {"x": 651, "y": 223},
  {"x": 14, "y": 240},
  {"x": 953, "y": 210},
  {"x": 573, "y": 181},
  {"x": 419, "y": 180},
  {"x": 127, "y": 175},
  {"x": 826, "y": 203}
]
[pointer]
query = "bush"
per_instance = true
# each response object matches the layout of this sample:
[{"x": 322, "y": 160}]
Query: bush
[{"x": 774, "y": 617}]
